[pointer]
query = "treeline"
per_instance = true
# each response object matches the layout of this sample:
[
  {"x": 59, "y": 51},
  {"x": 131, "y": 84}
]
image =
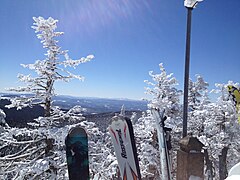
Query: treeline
[{"x": 20, "y": 118}]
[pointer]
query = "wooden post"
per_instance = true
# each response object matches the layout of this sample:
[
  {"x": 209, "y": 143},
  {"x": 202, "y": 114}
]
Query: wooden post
[{"x": 190, "y": 159}]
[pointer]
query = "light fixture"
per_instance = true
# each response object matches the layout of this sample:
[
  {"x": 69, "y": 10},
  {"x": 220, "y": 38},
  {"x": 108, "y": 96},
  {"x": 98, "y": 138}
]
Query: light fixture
[{"x": 191, "y": 3}]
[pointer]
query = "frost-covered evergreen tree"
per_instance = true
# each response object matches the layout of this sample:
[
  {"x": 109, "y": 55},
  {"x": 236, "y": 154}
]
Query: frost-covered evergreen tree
[
  {"x": 197, "y": 93},
  {"x": 146, "y": 142},
  {"x": 48, "y": 70},
  {"x": 221, "y": 131},
  {"x": 164, "y": 92},
  {"x": 164, "y": 96},
  {"x": 198, "y": 100}
]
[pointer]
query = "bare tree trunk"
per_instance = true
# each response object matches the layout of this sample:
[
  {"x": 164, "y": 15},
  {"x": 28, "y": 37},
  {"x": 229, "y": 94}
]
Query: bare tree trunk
[
  {"x": 47, "y": 108},
  {"x": 223, "y": 164},
  {"x": 48, "y": 99},
  {"x": 209, "y": 166}
]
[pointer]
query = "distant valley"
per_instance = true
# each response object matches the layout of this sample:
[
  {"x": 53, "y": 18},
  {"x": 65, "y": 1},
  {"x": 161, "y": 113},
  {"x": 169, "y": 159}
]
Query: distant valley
[
  {"x": 99, "y": 105},
  {"x": 95, "y": 109}
]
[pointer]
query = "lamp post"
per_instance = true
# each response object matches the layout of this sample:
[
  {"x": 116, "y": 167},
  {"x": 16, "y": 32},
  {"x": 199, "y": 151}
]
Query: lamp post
[{"x": 189, "y": 4}]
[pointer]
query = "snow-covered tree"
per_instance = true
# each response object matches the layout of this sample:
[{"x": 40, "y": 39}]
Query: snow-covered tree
[
  {"x": 221, "y": 131},
  {"x": 198, "y": 100},
  {"x": 164, "y": 93},
  {"x": 48, "y": 70},
  {"x": 40, "y": 153},
  {"x": 146, "y": 142},
  {"x": 164, "y": 96},
  {"x": 197, "y": 93}
]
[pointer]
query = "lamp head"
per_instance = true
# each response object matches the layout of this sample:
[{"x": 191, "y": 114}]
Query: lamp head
[{"x": 191, "y": 3}]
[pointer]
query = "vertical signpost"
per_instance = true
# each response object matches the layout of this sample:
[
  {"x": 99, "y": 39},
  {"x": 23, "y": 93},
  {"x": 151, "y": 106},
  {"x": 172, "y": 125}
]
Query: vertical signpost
[{"x": 190, "y": 5}]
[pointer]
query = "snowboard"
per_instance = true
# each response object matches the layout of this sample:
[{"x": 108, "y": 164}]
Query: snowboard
[
  {"x": 122, "y": 136},
  {"x": 77, "y": 154}
]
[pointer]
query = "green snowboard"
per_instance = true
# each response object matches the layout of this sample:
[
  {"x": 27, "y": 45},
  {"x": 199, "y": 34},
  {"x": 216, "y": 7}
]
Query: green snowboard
[{"x": 77, "y": 154}]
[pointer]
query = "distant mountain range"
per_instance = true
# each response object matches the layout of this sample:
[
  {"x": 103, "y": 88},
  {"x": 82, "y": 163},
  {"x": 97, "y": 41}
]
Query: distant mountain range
[
  {"x": 91, "y": 106},
  {"x": 99, "y": 105}
]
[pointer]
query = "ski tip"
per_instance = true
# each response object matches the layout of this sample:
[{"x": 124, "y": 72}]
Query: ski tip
[
  {"x": 117, "y": 117},
  {"x": 77, "y": 131}
]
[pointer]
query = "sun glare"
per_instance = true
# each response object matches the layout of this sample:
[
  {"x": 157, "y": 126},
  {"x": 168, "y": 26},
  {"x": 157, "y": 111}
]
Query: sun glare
[{"x": 89, "y": 16}]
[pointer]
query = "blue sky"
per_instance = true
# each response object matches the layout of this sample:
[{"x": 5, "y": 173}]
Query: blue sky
[{"x": 128, "y": 39}]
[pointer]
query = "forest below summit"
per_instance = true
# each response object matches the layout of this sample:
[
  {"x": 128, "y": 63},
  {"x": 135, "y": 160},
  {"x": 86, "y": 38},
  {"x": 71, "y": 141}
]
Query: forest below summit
[{"x": 98, "y": 110}]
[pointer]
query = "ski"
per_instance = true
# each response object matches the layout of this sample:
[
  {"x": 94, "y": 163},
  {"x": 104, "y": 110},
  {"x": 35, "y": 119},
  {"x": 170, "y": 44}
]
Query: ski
[
  {"x": 163, "y": 145},
  {"x": 77, "y": 154},
  {"x": 122, "y": 135}
]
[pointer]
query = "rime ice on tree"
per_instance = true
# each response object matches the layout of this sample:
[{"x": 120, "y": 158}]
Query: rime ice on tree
[{"x": 48, "y": 70}]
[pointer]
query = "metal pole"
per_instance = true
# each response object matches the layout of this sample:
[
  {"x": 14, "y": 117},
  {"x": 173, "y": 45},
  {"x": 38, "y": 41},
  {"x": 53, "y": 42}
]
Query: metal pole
[{"x": 186, "y": 77}]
